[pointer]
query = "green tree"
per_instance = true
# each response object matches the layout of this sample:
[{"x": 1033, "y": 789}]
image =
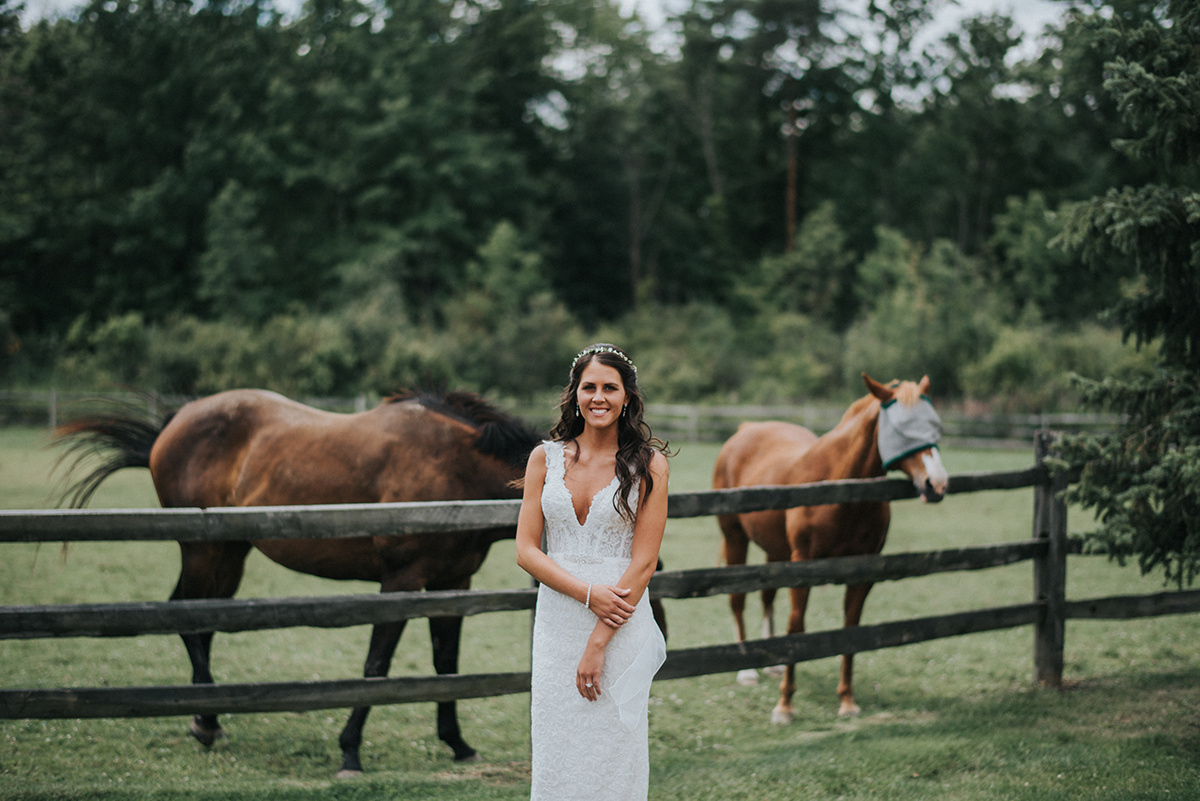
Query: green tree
[
  {"x": 814, "y": 275},
  {"x": 235, "y": 270},
  {"x": 938, "y": 319},
  {"x": 1143, "y": 481},
  {"x": 507, "y": 332}
]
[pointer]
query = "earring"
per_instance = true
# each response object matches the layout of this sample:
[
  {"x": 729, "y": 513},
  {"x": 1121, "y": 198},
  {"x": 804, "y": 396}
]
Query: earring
[
  {"x": 577, "y": 412},
  {"x": 624, "y": 409}
]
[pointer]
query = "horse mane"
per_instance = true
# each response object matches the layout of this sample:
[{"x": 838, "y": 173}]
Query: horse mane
[{"x": 500, "y": 434}]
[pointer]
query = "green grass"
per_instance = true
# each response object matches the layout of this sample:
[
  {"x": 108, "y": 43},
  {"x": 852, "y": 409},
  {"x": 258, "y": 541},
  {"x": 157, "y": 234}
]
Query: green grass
[{"x": 956, "y": 718}]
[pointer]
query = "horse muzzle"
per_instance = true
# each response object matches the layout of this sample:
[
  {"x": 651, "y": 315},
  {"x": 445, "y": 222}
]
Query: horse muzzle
[
  {"x": 933, "y": 481},
  {"x": 930, "y": 493}
]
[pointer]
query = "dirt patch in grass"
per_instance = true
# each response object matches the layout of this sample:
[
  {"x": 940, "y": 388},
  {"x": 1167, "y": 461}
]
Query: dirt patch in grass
[{"x": 496, "y": 775}]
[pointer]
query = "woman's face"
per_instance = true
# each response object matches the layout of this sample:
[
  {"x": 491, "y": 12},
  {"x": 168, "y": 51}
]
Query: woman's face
[{"x": 601, "y": 394}]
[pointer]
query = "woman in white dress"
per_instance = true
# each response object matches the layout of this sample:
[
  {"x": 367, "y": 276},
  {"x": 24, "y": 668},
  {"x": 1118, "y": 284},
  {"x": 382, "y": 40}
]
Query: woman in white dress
[{"x": 599, "y": 488}]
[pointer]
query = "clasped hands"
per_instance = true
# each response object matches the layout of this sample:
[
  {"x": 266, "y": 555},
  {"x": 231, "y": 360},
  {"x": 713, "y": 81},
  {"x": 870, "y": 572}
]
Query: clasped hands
[{"x": 609, "y": 605}]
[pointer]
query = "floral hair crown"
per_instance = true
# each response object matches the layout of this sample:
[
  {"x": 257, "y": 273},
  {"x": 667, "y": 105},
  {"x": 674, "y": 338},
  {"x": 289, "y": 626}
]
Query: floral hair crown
[{"x": 602, "y": 349}]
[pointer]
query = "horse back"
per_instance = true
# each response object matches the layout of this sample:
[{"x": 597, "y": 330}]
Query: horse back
[
  {"x": 257, "y": 448},
  {"x": 761, "y": 454},
  {"x": 197, "y": 458}
]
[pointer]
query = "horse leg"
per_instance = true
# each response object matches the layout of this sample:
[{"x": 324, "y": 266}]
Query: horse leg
[
  {"x": 734, "y": 548},
  {"x": 446, "y": 634},
  {"x": 856, "y": 596},
  {"x": 657, "y": 608},
  {"x": 208, "y": 570},
  {"x": 384, "y": 638},
  {"x": 768, "y": 612},
  {"x": 783, "y": 711},
  {"x": 768, "y": 626}
]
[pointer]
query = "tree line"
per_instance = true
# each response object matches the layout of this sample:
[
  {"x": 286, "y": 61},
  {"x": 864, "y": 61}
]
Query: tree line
[{"x": 381, "y": 193}]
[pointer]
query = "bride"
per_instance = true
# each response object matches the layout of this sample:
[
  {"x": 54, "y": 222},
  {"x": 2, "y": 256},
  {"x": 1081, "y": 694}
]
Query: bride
[{"x": 599, "y": 488}]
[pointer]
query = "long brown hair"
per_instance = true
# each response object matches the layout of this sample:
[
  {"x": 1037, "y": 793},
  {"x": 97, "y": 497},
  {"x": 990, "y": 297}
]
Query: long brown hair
[{"x": 635, "y": 442}]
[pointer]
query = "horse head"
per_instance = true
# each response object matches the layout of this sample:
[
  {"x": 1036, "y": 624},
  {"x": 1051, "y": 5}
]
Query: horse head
[{"x": 907, "y": 434}]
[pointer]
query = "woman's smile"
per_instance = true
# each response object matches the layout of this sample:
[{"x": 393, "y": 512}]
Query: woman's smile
[{"x": 601, "y": 393}]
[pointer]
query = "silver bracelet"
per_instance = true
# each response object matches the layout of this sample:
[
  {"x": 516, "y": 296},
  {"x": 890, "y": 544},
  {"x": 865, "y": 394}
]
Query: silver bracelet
[{"x": 587, "y": 603}]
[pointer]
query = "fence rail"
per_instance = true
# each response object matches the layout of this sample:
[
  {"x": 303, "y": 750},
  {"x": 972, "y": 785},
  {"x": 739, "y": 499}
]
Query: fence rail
[
  {"x": 1047, "y": 612},
  {"x": 699, "y": 423},
  {"x": 234, "y": 615},
  {"x": 433, "y": 517}
]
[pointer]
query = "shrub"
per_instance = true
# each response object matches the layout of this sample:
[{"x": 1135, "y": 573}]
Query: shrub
[{"x": 1029, "y": 367}]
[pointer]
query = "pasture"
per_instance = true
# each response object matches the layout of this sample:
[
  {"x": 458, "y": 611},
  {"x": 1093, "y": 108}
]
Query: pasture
[{"x": 957, "y": 718}]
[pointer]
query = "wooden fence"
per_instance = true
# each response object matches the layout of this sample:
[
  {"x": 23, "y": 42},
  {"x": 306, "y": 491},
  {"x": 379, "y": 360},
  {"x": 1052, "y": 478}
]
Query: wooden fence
[{"x": 1046, "y": 612}]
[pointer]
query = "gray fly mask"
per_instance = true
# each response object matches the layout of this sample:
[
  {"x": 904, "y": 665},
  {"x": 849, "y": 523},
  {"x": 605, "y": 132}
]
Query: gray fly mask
[{"x": 905, "y": 430}]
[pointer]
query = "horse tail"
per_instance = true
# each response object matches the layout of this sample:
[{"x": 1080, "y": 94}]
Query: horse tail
[{"x": 120, "y": 439}]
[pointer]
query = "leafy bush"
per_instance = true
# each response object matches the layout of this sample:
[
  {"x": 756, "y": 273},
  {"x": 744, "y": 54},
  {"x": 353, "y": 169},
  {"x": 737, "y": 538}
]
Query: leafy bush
[
  {"x": 802, "y": 359},
  {"x": 1029, "y": 368},
  {"x": 506, "y": 332},
  {"x": 293, "y": 354},
  {"x": 113, "y": 352},
  {"x": 685, "y": 353},
  {"x": 938, "y": 319}
]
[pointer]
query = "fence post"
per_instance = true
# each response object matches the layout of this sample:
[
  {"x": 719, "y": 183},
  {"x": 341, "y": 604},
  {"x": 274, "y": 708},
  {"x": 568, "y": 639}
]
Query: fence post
[{"x": 1049, "y": 572}]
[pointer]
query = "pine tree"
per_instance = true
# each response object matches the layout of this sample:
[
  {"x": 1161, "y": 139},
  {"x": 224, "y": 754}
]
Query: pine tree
[{"x": 1143, "y": 480}]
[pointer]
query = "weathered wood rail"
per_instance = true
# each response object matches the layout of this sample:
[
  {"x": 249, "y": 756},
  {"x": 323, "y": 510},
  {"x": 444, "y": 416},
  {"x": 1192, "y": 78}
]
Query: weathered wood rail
[{"x": 1046, "y": 612}]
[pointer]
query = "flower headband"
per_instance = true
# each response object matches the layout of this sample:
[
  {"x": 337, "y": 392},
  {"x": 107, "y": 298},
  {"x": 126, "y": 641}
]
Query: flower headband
[{"x": 602, "y": 349}]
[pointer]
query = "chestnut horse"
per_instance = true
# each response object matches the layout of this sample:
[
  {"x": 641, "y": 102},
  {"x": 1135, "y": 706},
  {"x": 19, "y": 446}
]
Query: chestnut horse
[
  {"x": 256, "y": 448},
  {"x": 894, "y": 426}
]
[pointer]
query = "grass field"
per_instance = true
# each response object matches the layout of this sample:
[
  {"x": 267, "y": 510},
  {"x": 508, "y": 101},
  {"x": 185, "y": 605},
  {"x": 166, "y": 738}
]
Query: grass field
[{"x": 954, "y": 719}]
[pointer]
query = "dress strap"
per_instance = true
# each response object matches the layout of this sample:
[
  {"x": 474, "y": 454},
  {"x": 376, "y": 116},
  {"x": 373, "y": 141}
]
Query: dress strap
[{"x": 556, "y": 465}]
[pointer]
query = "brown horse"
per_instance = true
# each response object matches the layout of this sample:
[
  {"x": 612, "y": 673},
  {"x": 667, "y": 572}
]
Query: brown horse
[
  {"x": 256, "y": 448},
  {"x": 894, "y": 426}
]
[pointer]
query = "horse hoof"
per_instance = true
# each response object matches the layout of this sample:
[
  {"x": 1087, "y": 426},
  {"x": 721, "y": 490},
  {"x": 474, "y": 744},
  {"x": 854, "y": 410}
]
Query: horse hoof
[
  {"x": 747, "y": 678},
  {"x": 849, "y": 710},
  {"x": 204, "y": 735},
  {"x": 349, "y": 774},
  {"x": 781, "y": 717},
  {"x": 471, "y": 757}
]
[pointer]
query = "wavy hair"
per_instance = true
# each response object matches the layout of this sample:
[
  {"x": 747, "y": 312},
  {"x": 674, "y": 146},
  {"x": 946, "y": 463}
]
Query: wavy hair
[{"x": 635, "y": 442}]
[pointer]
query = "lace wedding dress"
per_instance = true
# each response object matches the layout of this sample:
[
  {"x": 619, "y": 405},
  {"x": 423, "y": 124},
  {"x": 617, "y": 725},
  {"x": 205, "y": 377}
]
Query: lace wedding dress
[{"x": 584, "y": 749}]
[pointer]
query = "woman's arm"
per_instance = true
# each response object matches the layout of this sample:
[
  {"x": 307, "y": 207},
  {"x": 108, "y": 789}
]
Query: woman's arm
[
  {"x": 647, "y": 540},
  {"x": 648, "y": 531},
  {"x": 607, "y": 602}
]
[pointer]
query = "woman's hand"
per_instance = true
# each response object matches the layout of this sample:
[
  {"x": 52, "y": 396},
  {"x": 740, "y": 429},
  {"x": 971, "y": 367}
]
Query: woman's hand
[
  {"x": 591, "y": 666},
  {"x": 609, "y": 605}
]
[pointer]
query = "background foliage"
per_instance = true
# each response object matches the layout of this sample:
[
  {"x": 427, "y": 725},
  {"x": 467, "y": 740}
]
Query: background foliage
[
  {"x": 1144, "y": 480},
  {"x": 371, "y": 194}
]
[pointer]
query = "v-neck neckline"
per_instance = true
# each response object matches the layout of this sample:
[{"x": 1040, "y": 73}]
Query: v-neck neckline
[{"x": 587, "y": 514}]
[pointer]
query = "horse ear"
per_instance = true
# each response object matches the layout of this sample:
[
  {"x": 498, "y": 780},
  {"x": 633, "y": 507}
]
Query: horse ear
[
  {"x": 923, "y": 385},
  {"x": 878, "y": 390}
]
